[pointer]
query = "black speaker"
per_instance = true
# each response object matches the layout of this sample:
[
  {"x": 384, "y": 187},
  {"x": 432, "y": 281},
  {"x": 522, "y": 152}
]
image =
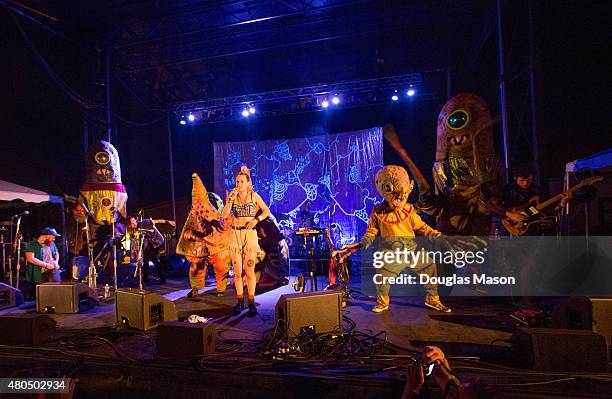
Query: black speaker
[
  {"x": 319, "y": 311},
  {"x": 178, "y": 339},
  {"x": 9, "y": 296},
  {"x": 589, "y": 313},
  {"x": 69, "y": 297},
  {"x": 28, "y": 329},
  {"x": 143, "y": 310},
  {"x": 548, "y": 349}
]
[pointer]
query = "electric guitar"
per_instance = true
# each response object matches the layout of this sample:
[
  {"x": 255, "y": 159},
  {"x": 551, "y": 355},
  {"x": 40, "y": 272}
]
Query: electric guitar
[
  {"x": 336, "y": 266},
  {"x": 533, "y": 212}
]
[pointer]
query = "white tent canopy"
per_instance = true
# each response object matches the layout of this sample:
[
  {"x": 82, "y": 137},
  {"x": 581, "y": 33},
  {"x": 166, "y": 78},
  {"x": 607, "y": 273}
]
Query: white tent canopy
[{"x": 11, "y": 191}]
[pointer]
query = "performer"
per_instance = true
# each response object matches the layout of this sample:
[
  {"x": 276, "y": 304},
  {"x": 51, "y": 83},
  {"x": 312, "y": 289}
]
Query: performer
[
  {"x": 152, "y": 244},
  {"x": 76, "y": 235},
  {"x": 106, "y": 198},
  {"x": 519, "y": 194},
  {"x": 243, "y": 204},
  {"x": 395, "y": 217},
  {"x": 305, "y": 216},
  {"x": 273, "y": 266},
  {"x": 42, "y": 258},
  {"x": 204, "y": 239}
]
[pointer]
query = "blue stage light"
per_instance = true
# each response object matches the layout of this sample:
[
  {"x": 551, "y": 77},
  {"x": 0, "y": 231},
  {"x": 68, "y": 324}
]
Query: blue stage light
[
  {"x": 394, "y": 97},
  {"x": 252, "y": 110},
  {"x": 325, "y": 104},
  {"x": 191, "y": 117},
  {"x": 245, "y": 113},
  {"x": 336, "y": 100},
  {"x": 410, "y": 92},
  {"x": 182, "y": 122}
]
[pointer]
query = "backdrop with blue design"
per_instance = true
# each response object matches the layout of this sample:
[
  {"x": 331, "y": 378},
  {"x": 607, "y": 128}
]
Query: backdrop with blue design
[{"x": 335, "y": 172}]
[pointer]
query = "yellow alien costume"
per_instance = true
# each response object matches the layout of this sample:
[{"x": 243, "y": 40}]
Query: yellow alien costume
[
  {"x": 395, "y": 217},
  {"x": 204, "y": 240}
]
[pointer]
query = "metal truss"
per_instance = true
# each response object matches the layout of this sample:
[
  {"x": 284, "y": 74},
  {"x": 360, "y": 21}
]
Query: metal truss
[{"x": 303, "y": 99}]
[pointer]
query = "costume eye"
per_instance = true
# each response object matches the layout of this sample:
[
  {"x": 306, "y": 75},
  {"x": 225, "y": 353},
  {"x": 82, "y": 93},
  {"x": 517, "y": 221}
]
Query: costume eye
[
  {"x": 387, "y": 187},
  {"x": 458, "y": 119},
  {"x": 102, "y": 158}
]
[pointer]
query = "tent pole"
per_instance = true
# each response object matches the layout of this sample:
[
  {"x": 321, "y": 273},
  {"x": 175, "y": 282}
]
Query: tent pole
[
  {"x": 171, "y": 162},
  {"x": 502, "y": 91}
]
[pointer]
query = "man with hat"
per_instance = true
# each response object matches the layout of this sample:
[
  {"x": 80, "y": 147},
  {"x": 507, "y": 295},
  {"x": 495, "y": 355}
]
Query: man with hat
[{"x": 42, "y": 258}]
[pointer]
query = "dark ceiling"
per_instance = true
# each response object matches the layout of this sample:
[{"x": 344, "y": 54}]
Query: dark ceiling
[{"x": 169, "y": 52}]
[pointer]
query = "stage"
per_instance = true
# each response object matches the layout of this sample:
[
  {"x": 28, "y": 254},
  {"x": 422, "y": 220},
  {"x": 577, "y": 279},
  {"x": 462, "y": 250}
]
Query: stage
[{"x": 121, "y": 361}]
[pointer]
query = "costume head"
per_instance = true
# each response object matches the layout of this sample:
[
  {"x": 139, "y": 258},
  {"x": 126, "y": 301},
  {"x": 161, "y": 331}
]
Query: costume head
[
  {"x": 394, "y": 184},
  {"x": 463, "y": 124},
  {"x": 465, "y": 152},
  {"x": 102, "y": 190},
  {"x": 203, "y": 222}
]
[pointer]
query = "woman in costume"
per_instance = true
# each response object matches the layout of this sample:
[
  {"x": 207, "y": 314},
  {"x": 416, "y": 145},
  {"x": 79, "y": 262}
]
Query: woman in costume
[{"x": 242, "y": 205}]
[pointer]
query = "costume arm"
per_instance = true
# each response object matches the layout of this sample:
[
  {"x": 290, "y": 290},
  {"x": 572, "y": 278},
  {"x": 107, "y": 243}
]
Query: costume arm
[
  {"x": 422, "y": 228},
  {"x": 227, "y": 209},
  {"x": 371, "y": 231}
]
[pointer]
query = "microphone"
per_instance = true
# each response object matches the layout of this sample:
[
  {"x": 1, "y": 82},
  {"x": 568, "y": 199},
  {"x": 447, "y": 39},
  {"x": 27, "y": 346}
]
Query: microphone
[{"x": 22, "y": 214}]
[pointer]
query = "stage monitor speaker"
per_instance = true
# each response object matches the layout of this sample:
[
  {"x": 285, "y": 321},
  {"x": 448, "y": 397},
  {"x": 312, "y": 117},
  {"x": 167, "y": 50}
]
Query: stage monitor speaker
[
  {"x": 69, "y": 297},
  {"x": 143, "y": 310},
  {"x": 548, "y": 349},
  {"x": 26, "y": 329},
  {"x": 589, "y": 313},
  {"x": 9, "y": 296},
  {"x": 178, "y": 339},
  {"x": 319, "y": 311}
]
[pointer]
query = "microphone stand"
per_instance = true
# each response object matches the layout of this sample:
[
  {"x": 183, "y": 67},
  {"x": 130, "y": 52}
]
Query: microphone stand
[
  {"x": 139, "y": 260},
  {"x": 114, "y": 248},
  {"x": 93, "y": 274},
  {"x": 18, "y": 242}
]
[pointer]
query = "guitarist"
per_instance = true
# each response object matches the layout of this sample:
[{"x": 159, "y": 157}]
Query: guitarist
[{"x": 521, "y": 193}]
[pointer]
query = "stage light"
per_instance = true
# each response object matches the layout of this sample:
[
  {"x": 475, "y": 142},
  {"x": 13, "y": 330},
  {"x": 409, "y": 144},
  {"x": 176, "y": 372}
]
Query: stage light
[
  {"x": 410, "y": 92},
  {"x": 395, "y": 97},
  {"x": 252, "y": 110},
  {"x": 191, "y": 117},
  {"x": 182, "y": 122},
  {"x": 325, "y": 104},
  {"x": 245, "y": 113},
  {"x": 336, "y": 100}
]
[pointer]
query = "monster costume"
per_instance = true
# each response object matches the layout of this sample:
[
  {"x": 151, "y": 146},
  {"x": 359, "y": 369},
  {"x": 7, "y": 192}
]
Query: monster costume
[
  {"x": 106, "y": 198},
  {"x": 103, "y": 191},
  {"x": 395, "y": 217},
  {"x": 204, "y": 240}
]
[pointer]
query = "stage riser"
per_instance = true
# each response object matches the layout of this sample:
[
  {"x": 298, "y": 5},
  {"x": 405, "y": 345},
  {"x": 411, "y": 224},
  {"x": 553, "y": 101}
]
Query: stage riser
[{"x": 108, "y": 379}]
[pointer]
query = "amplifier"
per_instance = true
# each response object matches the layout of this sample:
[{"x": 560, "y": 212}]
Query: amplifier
[
  {"x": 67, "y": 297},
  {"x": 143, "y": 310}
]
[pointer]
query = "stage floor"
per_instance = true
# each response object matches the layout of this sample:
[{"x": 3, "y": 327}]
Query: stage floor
[{"x": 478, "y": 328}]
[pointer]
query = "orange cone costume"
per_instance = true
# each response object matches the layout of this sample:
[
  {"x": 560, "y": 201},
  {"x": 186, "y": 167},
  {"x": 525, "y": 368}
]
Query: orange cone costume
[{"x": 204, "y": 240}]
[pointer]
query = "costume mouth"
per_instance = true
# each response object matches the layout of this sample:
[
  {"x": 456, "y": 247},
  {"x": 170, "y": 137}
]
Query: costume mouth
[
  {"x": 104, "y": 174},
  {"x": 398, "y": 201},
  {"x": 459, "y": 140}
]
